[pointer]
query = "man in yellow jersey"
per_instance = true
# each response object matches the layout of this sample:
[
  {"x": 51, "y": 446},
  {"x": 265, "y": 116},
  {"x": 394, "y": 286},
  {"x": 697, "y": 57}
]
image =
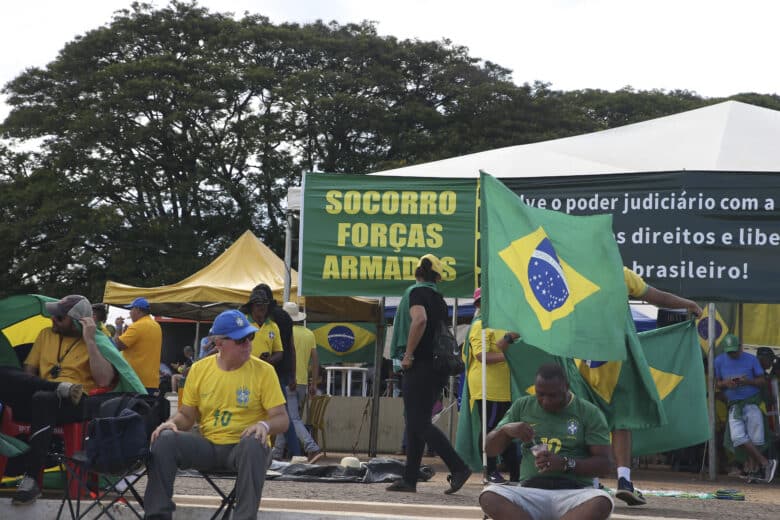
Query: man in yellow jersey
[
  {"x": 305, "y": 355},
  {"x": 638, "y": 289},
  {"x": 65, "y": 361},
  {"x": 498, "y": 396},
  {"x": 267, "y": 344},
  {"x": 141, "y": 344},
  {"x": 238, "y": 403},
  {"x": 100, "y": 315}
]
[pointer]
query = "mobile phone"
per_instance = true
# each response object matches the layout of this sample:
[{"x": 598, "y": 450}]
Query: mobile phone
[{"x": 77, "y": 324}]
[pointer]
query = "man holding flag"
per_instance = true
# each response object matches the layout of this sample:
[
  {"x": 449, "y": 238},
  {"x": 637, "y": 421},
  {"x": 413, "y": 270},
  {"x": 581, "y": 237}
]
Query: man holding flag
[{"x": 638, "y": 289}]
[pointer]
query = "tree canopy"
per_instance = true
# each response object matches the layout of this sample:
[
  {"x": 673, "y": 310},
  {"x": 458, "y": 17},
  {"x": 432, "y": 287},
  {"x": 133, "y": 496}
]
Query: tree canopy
[{"x": 165, "y": 134}]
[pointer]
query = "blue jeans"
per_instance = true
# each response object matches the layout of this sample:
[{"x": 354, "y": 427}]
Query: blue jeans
[
  {"x": 290, "y": 437},
  {"x": 293, "y": 406}
]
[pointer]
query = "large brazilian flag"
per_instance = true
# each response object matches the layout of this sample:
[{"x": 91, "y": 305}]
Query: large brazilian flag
[
  {"x": 557, "y": 279},
  {"x": 343, "y": 342}
]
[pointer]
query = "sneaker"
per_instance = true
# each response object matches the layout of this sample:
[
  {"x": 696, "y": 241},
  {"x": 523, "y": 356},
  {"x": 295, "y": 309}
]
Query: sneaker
[
  {"x": 457, "y": 480},
  {"x": 494, "y": 477},
  {"x": 628, "y": 494},
  {"x": 769, "y": 470},
  {"x": 126, "y": 482},
  {"x": 314, "y": 456},
  {"x": 70, "y": 391},
  {"x": 27, "y": 492},
  {"x": 402, "y": 486}
]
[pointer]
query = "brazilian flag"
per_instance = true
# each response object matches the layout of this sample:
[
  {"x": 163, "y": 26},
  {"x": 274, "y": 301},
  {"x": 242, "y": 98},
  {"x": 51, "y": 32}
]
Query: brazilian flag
[
  {"x": 677, "y": 371},
  {"x": 703, "y": 328},
  {"x": 556, "y": 279},
  {"x": 342, "y": 342}
]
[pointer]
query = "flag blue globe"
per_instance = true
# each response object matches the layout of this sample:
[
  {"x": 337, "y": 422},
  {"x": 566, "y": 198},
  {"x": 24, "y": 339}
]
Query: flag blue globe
[
  {"x": 341, "y": 338},
  {"x": 546, "y": 277}
]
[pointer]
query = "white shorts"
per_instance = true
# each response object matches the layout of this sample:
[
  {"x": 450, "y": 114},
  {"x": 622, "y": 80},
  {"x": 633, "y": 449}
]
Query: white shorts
[
  {"x": 547, "y": 504},
  {"x": 749, "y": 427}
]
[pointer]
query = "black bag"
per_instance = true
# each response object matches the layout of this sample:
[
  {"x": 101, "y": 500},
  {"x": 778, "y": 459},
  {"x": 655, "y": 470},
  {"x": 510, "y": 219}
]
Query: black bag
[
  {"x": 153, "y": 409},
  {"x": 446, "y": 352},
  {"x": 119, "y": 434},
  {"x": 116, "y": 444}
]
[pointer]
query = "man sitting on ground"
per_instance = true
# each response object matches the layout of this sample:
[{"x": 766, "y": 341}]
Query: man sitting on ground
[
  {"x": 237, "y": 400},
  {"x": 565, "y": 444}
]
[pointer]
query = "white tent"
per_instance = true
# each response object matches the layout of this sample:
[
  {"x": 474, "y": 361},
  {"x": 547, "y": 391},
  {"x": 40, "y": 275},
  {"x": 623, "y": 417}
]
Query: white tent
[{"x": 729, "y": 136}]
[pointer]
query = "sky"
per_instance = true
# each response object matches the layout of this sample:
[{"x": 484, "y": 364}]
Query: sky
[{"x": 715, "y": 48}]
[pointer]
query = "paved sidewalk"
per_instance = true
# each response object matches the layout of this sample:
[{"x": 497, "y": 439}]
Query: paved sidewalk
[{"x": 325, "y": 501}]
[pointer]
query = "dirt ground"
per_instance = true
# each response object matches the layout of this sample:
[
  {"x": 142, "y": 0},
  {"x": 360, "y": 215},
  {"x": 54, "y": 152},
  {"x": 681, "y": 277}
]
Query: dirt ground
[{"x": 762, "y": 500}]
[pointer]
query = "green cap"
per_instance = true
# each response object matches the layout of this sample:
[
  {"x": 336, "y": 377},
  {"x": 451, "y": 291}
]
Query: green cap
[{"x": 730, "y": 343}]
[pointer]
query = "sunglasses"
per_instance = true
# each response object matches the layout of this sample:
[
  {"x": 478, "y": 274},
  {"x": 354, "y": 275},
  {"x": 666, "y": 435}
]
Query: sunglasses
[
  {"x": 58, "y": 317},
  {"x": 245, "y": 339}
]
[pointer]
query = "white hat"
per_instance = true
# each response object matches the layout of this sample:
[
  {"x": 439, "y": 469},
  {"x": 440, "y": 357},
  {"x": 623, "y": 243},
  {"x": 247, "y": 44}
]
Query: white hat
[
  {"x": 350, "y": 462},
  {"x": 295, "y": 313}
]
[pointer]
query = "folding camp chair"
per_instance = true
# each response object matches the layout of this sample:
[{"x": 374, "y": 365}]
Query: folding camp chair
[
  {"x": 228, "y": 500},
  {"x": 103, "y": 487},
  {"x": 115, "y": 476}
]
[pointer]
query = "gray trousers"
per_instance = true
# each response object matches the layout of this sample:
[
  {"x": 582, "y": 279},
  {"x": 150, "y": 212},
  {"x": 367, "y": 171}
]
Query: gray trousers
[{"x": 184, "y": 450}]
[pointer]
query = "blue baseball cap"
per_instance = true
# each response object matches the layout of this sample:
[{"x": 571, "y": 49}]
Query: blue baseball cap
[
  {"x": 232, "y": 324},
  {"x": 140, "y": 303}
]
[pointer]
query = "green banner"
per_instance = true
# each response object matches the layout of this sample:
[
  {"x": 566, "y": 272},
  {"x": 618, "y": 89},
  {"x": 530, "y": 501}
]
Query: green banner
[
  {"x": 363, "y": 234},
  {"x": 342, "y": 342}
]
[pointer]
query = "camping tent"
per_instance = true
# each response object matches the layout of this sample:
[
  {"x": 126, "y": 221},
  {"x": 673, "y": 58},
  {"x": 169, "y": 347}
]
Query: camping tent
[
  {"x": 226, "y": 283},
  {"x": 729, "y": 136}
]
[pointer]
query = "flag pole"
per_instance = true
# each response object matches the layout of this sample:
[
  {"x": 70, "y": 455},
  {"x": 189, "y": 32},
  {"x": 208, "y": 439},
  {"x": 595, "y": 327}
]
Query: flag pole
[
  {"x": 712, "y": 452},
  {"x": 484, "y": 403}
]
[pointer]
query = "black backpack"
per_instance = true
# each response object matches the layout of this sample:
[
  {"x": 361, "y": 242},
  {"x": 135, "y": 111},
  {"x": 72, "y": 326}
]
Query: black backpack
[
  {"x": 118, "y": 436},
  {"x": 446, "y": 352}
]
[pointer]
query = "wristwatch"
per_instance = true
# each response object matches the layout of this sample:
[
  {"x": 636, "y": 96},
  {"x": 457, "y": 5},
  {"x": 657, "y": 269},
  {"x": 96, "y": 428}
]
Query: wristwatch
[{"x": 569, "y": 463}]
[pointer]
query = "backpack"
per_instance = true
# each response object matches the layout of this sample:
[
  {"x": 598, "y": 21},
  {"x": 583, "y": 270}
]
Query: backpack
[
  {"x": 446, "y": 352},
  {"x": 118, "y": 436}
]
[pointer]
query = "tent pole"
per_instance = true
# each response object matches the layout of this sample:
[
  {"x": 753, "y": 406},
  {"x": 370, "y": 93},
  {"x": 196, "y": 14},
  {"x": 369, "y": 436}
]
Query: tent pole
[
  {"x": 712, "y": 452},
  {"x": 373, "y": 431},
  {"x": 288, "y": 257},
  {"x": 196, "y": 342},
  {"x": 451, "y": 416}
]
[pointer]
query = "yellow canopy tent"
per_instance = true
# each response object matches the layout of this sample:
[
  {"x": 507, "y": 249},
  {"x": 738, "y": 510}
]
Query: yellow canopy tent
[{"x": 226, "y": 283}]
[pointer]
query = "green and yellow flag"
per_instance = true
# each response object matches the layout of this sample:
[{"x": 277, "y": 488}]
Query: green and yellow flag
[
  {"x": 342, "y": 342},
  {"x": 702, "y": 327},
  {"x": 678, "y": 371},
  {"x": 557, "y": 279}
]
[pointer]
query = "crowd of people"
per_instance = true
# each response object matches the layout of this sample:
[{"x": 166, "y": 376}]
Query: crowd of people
[{"x": 259, "y": 363}]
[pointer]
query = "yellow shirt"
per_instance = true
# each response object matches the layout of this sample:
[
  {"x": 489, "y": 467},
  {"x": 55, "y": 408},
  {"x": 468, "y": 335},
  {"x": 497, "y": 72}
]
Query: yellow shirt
[
  {"x": 497, "y": 374},
  {"x": 267, "y": 339},
  {"x": 305, "y": 342},
  {"x": 143, "y": 342},
  {"x": 231, "y": 400},
  {"x": 636, "y": 286},
  {"x": 72, "y": 353}
]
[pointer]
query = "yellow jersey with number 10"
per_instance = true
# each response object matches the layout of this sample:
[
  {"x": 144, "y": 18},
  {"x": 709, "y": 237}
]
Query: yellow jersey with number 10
[{"x": 231, "y": 400}]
